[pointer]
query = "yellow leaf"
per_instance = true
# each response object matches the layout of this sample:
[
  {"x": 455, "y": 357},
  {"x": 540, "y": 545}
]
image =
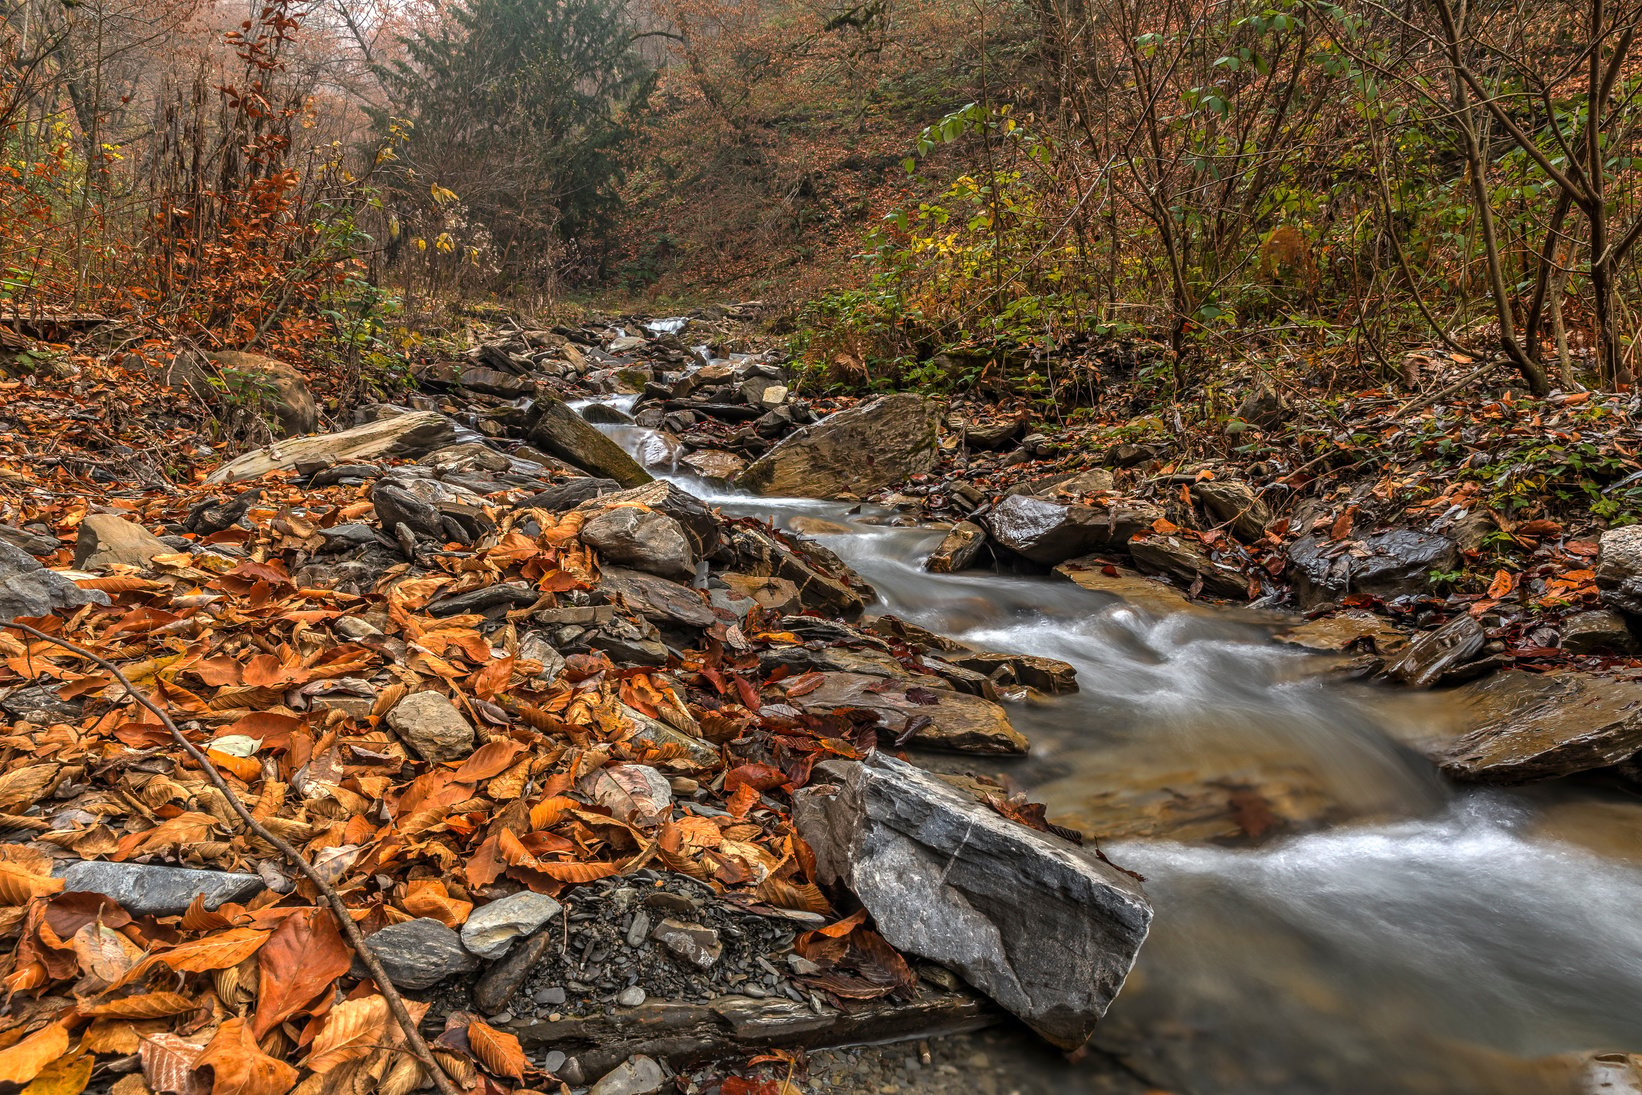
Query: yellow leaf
[
  {"x": 64, "y": 1076},
  {"x": 27, "y": 1059},
  {"x": 353, "y": 1029}
]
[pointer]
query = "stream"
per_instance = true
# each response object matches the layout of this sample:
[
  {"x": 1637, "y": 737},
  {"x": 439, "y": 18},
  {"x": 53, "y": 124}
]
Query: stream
[{"x": 1392, "y": 933}]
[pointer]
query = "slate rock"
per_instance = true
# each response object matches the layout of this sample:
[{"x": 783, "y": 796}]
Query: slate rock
[
  {"x": 1533, "y": 726},
  {"x": 873, "y": 445},
  {"x": 701, "y": 525},
  {"x": 432, "y": 726},
  {"x": 939, "y": 717},
  {"x": 1036, "y": 923},
  {"x": 642, "y": 539},
  {"x": 569, "y": 494},
  {"x": 715, "y": 465},
  {"x": 1045, "y": 674},
  {"x": 34, "y": 543},
  {"x": 107, "y": 539},
  {"x": 824, "y": 583},
  {"x": 502, "y": 980},
  {"x": 564, "y": 433},
  {"x": 696, "y": 944},
  {"x": 1051, "y": 532},
  {"x": 148, "y": 889},
  {"x": 1151, "y": 595},
  {"x": 1619, "y": 569},
  {"x": 28, "y": 589},
  {"x": 1187, "y": 562},
  {"x": 420, "y": 953},
  {"x": 1387, "y": 565},
  {"x": 1598, "y": 631},
  {"x": 491, "y": 930},
  {"x": 658, "y": 600},
  {"x": 509, "y": 594},
  {"x": 1233, "y": 502},
  {"x": 957, "y": 549},
  {"x": 408, "y": 435},
  {"x": 1435, "y": 655}
]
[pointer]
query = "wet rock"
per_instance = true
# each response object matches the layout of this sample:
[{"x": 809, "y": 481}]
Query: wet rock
[
  {"x": 823, "y": 581},
  {"x": 986, "y": 436},
  {"x": 418, "y": 954},
  {"x": 642, "y": 539},
  {"x": 491, "y": 930},
  {"x": 715, "y": 465},
  {"x": 936, "y": 717},
  {"x": 638, "y": 1075},
  {"x": 408, "y": 435},
  {"x": 1233, "y": 502},
  {"x": 28, "y": 589},
  {"x": 1046, "y": 930},
  {"x": 148, "y": 889},
  {"x": 432, "y": 726},
  {"x": 107, "y": 540},
  {"x": 1069, "y": 487},
  {"x": 1187, "y": 561},
  {"x": 658, "y": 600},
  {"x": 501, "y": 981},
  {"x": 569, "y": 494},
  {"x": 1619, "y": 569},
  {"x": 631, "y": 997},
  {"x": 1599, "y": 631},
  {"x": 1049, "y": 532},
  {"x": 692, "y": 943},
  {"x": 854, "y": 452},
  {"x": 1352, "y": 631},
  {"x": 567, "y": 435},
  {"x": 957, "y": 549},
  {"x": 775, "y": 594},
  {"x": 1436, "y": 655},
  {"x": 1044, "y": 674},
  {"x": 700, "y": 524},
  {"x": 1386, "y": 565},
  {"x": 1533, "y": 726},
  {"x": 1145, "y": 593}
]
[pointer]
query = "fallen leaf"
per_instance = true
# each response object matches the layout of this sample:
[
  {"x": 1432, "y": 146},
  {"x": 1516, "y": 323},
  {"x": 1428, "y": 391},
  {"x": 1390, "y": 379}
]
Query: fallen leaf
[
  {"x": 239, "y": 1067},
  {"x": 497, "y": 1050},
  {"x": 24, "y": 1061},
  {"x": 300, "y": 960},
  {"x": 353, "y": 1029}
]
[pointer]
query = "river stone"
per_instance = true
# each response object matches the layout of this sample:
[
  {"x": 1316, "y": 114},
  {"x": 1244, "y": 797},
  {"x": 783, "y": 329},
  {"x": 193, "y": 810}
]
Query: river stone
[
  {"x": 1598, "y": 631},
  {"x": 409, "y": 435},
  {"x": 1234, "y": 503},
  {"x": 638, "y": 1075},
  {"x": 824, "y": 583},
  {"x": 28, "y": 589},
  {"x": 107, "y": 539},
  {"x": 1619, "y": 569},
  {"x": 420, "y": 953},
  {"x": 692, "y": 943},
  {"x": 1532, "y": 726},
  {"x": 853, "y": 452},
  {"x": 1387, "y": 565},
  {"x": 1352, "y": 630},
  {"x": 1148, "y": 594},
  {"x": 956, "y": 720},
  {"x": 432, "y": 726},
  {"x": 1045, "y": 674},
  {"x": 1187, "y": 561},
  {"x": 642, "y": 539},
  {"x": 1434, "y": 655},
  {"x": 700, "y": 524},
  {"x": 564, "y": 433},
  {"x": 148, "y": 889},
  {"x": 1045, "y": 929},
  {"x": 491, "y": 930},
  {"x": 957, "y": 548},
  {"x": 1049, "y": 532},
  {"x": 658, "y": 600},
  {"x": 715, "y": 465}
]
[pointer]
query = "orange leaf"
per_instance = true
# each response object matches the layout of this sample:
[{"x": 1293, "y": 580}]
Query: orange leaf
[
  {"x": 24, "y": 1061},
  {"x": 238, "y": 1065},
  {"x": 491, "y": 759},
  {"x": 497, "y": 1050},
  {"x": 1503, "y": 583},
  {"x": 1165, "y": 526},
  {"x": 579, "y": 872},
  {"x": 1342, "y": 526},
  {"x": 301, "y": 960},
  {"x": 168, "y": 1064},
  {"x": 64, "y": 1076},
  {"x": 429, "y": 897},
  {"x": 147, "y": 1005},
  {"x": 353, "y": 1029},
  {"x": 215, "y": 952},
  {"x": 19, "y": 885}
]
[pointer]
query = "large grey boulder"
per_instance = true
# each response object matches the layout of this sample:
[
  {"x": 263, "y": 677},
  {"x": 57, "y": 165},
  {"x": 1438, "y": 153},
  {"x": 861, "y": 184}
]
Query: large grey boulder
[
  {"x": 233, "y": 379},
  {"x": 409, "y": 435},
  {"x": 1533, "y": 726},
  {"x": 1619, "y": 569},
  {"x": 432, "y": 726},
  {"x": 1387, "y": 564},
  {"x": 822, "y": 580},
  {"x": 642, "y": 539},
  {"x": 876, "y": 444},
  {"x": 107, "y": 539},
  {"x": 564, "y": 433},
  {"x": 418, "y": 954},
  {"x": 28, "y": 589},
  {"x": 1051, "y": 532},
  {"x": 1042, "y": 927},
  {"x": 700, "y": 524},
  {"x": 149, "y": 889}
]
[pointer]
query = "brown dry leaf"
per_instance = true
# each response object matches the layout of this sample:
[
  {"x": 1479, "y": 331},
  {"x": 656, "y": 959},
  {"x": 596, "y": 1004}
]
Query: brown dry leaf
[
  {"x": 19, "y": 885},
  {"x": 168, "y": 1065},
  {"x": 429, "y": 897},
  {"x": 497, "y": 1050},
  {"x": 64, "y": 1076},
  {"x": 24, "y": 1061},
  {"x": 239, "y": 1067},
  {"x": 301, "y": 960},
  {"x": 131, "y": 1084},
  {"x": 215, "y": 952},
  {"x": 353, "y": 1029},
  {"x": 147, "y": 1005}
]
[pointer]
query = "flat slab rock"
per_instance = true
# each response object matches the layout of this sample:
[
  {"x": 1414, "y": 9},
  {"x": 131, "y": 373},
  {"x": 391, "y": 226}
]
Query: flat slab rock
[
  {"x": 876, "y": 444},
  {"x": 1043, "y": 928},
  {"x": 943, "y": 718},
  {"x": 147, "y": 889},
  {"x": 1533, "y": 726},
  {"x": 408, "y": 435}
]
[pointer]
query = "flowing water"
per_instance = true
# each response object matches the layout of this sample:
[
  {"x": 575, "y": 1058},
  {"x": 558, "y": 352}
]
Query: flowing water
[{"x": 1331, "y": 916}]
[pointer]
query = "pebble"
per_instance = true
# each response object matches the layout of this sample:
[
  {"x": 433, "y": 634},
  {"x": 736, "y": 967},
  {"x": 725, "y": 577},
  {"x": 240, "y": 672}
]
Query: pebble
[
  {"x": 553, "y": 1061},
  {"x": 500, "y": 1017},
  {"x": 638, "y": 1075},
  {"x": 553, "y": 994},
  {"x": 630, "y": 997},
  {"x": 638, "y": 929}
]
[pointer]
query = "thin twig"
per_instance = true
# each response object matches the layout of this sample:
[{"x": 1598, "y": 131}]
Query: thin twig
[{"x": 396, "y": 1003}]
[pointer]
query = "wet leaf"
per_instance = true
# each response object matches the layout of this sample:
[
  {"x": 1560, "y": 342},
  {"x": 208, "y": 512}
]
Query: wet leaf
[{"x": 304, "y": 957}]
